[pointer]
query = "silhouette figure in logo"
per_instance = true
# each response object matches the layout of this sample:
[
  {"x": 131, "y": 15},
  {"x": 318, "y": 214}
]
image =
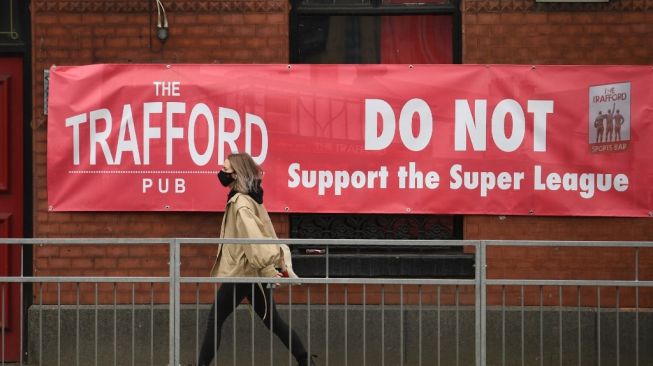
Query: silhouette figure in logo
[
  {"x": 609, "y": 125},
  {"x": 618, "y": 122},
  {"x": 598, "y": 124}
]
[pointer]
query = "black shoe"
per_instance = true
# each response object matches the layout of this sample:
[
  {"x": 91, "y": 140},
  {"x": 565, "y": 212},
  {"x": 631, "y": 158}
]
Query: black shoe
[{"x": 307, "y": 361}]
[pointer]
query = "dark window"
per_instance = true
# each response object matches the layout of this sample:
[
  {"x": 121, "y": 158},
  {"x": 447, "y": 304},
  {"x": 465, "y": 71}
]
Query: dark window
[
  {"x": 373, "y": 3},
  {"x": 373, "y": 32},
  {"x": 366, "y": 39},
  {"x": 379, "y": 261}
]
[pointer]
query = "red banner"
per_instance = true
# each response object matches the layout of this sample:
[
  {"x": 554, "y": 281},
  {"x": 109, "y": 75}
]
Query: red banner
[{"x": 468, "y": 139}]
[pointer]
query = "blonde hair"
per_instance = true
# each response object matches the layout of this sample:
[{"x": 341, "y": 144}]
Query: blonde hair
[{"x": 247, "y": 172}]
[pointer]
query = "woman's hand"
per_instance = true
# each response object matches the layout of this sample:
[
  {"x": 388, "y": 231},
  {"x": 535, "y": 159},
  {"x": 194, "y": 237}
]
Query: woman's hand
[{"x": 275, "y": 285}]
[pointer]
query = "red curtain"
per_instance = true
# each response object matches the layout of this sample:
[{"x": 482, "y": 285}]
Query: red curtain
[{"x": 416, "y": 39}]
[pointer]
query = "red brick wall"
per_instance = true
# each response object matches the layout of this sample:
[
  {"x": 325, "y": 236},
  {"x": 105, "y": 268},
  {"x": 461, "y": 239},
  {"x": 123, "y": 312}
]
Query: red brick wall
[
  {"x": 565, "y": 263},
  {"x": 93, "y": 31},
  {"x": 524, "y": 32},
  {"x": 224, "y": 31}
]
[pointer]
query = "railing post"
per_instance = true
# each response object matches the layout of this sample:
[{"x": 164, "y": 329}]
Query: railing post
[
  {"x": 174, "y": 307},
  {"x": 477, "y": 303},
  {"x": 480, "y": 304},
  {"x": 483, "y": 248}
]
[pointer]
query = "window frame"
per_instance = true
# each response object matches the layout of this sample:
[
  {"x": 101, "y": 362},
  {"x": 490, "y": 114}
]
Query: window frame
[{"x": 298, "y": 9}]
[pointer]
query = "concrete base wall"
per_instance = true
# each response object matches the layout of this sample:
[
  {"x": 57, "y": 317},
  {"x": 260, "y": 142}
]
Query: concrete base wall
[{"x": 362, "y": 339}]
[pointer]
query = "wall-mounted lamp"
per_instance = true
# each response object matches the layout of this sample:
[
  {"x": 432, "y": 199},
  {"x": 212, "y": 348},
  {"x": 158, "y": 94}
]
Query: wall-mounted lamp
[{"x": 161, "y": 21}]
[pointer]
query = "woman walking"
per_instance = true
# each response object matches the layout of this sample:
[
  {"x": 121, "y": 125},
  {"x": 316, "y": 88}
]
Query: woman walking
[{"x": 246, "y": 217}]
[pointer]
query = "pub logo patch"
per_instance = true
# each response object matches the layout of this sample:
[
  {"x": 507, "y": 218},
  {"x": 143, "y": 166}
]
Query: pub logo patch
[{"x": 609, "y": 117}]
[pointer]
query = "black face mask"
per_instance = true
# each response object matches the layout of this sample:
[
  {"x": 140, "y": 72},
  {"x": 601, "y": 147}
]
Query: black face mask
[{"x": 225, "y": 178}]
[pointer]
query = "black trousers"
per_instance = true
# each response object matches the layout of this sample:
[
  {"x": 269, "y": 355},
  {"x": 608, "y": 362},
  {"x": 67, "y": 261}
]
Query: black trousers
[{"x": 227, "y": 298}]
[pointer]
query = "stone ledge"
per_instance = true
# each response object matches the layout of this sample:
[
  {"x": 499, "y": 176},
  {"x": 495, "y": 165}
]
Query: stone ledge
[{"x": 392, "y": 325}]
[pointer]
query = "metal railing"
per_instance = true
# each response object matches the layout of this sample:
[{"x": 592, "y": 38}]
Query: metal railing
[
  {"x": 419, "y": 301},
  {"x": 597, "y": 283}
]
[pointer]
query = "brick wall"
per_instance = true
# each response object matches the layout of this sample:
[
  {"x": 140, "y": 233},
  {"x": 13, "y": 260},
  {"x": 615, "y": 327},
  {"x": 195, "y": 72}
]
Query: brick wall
[
  {"x": 524, "y": 32},
  {"x": 236, "y": 31},
  {"x": 91, "y": 31},
  {"x": 565, "y": 263}
]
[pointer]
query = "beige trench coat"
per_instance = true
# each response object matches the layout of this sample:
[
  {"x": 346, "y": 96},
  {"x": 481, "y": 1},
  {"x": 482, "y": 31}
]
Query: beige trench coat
[{"x": 245, "y": 218}]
